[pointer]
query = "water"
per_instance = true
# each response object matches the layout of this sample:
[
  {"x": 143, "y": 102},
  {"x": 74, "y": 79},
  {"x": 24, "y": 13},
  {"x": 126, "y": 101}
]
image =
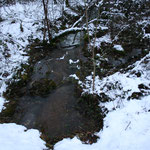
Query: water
[{"x": 55, "y": 114}]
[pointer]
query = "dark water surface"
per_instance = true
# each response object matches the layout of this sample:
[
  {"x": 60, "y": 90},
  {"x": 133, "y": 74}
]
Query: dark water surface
[{"x": 55, "y": 113}]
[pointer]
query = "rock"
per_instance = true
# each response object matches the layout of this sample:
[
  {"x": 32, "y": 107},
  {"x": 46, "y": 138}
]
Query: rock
[{"x": 136, "y": 95}]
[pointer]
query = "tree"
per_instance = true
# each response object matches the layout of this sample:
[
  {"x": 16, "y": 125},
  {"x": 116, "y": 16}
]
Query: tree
[
  {"x": 92, "y": 47},
  {"x": 46, "y": 20}
]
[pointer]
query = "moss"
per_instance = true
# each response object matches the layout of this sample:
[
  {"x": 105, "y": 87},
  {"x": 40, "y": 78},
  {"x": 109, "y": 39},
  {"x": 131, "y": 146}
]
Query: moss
[
  {"x": 37, "y": 40},
  {"x": 101, "y": 33},
  {"x": 53, "y": 43},
  {"x": 14, "y": 89},
  {"x": 118, "y": 53},
  {"x": 11, "y": 107},
  {"x": 136, "y": 95},
  {"x": 42, "y": 87},
  {"x": 24, "y": 77},
  {"x": 25, "y": 66},
  {"x": 88, "y": 105},
  {"x": 50, "y": 142},
  {"x": 78, "y": 73},
  {"x": 48, "y": 73},
  {"x": 85, "y": 38},
  {"x": 88, "y": 138},
  {"x": 104, "y": 98}
]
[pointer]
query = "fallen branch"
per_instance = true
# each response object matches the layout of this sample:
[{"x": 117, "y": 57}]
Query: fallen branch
[
  {"x": 76, "y": 29},
  {"x": 79, "y": 20},
  {"x": 128, "y": 125}
]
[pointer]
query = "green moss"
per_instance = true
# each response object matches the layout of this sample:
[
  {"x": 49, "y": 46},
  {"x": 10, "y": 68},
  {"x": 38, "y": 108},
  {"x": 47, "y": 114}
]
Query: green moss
[
  {"x": 89, "y": 106},
  {"x": 88, "y": 138},
  {"x": 86, "y": 39},
  {"x": 37, "y": 40},
  {"x": 14, "y": 89},
  {"x": 101, "y": 33},
  {"x": 78, "y": 73},
  {"x": 48, "y": 73},
  {"x": 42, "y": 87},
  {"x": 11, "y": 106},
  {"x": 24, "y": 77},
  {"x": 118, "y": 53},
  {"x": 53, "y": 43}
]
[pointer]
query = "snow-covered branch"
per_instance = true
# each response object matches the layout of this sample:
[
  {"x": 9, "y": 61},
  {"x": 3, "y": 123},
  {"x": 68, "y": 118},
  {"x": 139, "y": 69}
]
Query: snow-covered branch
[{"x": 76, "y": 29}]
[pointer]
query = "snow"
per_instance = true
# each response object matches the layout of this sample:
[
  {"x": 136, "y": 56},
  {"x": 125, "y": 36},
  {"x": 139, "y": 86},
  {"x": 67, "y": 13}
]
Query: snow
[
  {"x": 68, "y": 10},
  {"x": 74, "y": 76},
  {"x": 147, "y": 35},
  {"x": 2, "y": 99},
  {"x": 55, "y": 11},
  {"x": 68, "y": 30},
  {"x": 106, "y": 38},
  {"x": 122, "y": 84},
  {"x": 79, "y": 20},
  {"x": 62, "y": 57},
  {"x": 73, "y": 62},
  {"x": 118, "y": 48},
  {"x": 17, "y": 137}
]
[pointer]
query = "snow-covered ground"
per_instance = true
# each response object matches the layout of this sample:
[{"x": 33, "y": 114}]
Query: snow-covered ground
[
  {"x": 127, "y": 125},
  {"x": 17, "y": 137},
  {"x": 20, "y": 25}
]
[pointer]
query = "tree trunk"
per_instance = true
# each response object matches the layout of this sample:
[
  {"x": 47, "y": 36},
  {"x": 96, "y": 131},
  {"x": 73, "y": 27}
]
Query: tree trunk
[
  {"x": 67, "y": 3},
  {"x": 45, "y": 5},
  {"x": 55, "y": 2},
  {"x": 91, "y": 48}
]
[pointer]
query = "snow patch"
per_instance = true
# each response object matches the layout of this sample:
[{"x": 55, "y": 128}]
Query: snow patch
[
  {"x": 118, "y": 48},
  {"x": 73, "y": 62},
  {"x": 106, "y": 38},
  {"x": 17, "y": 137}
]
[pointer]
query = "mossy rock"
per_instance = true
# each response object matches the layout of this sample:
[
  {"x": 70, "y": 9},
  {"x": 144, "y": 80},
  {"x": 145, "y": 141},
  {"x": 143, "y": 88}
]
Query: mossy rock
[
  {"x": 88, "y": 138},
  {"x": 10, "y": 109},
  {"x": 88, "y": 105},
  {"x": 136, "y": 95},
  {"x": 42, "y": 87},
  {"x": 118, "y": 53},
  {"x": 19, "y": 81}
]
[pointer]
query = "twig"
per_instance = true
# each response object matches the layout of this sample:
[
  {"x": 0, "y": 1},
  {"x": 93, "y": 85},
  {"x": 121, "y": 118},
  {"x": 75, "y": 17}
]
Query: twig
[{"x": 127, "y": 125}]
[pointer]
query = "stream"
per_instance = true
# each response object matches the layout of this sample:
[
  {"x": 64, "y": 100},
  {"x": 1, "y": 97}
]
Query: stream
[
  {"x": 55, "y": 112},
  {"x": 50, "y": 101}
]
